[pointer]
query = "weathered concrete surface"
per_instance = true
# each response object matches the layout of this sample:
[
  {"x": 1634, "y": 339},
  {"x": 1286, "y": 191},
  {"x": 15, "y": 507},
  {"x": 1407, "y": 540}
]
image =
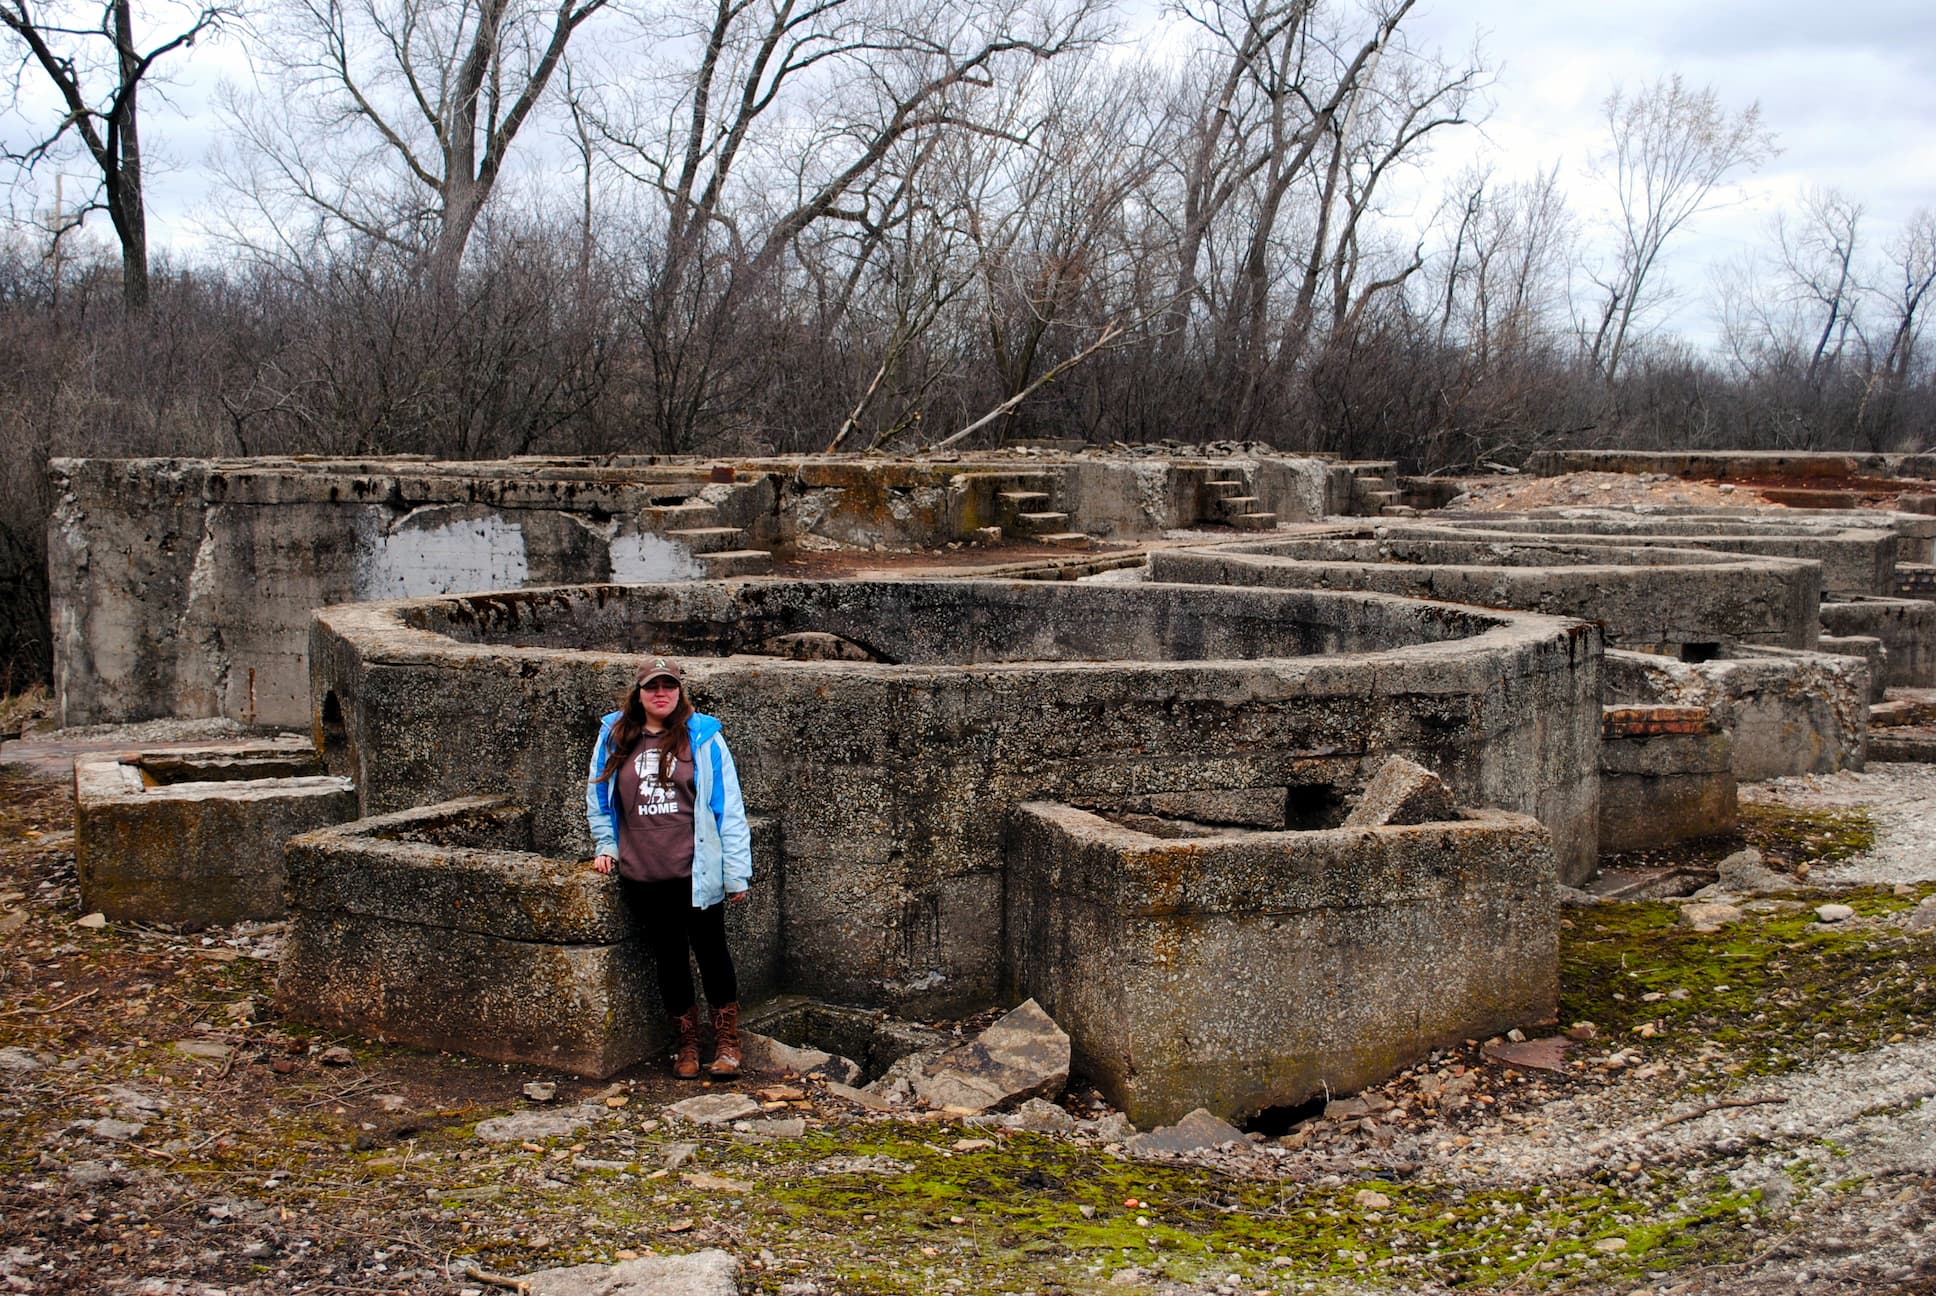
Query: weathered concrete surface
[
  {"x": 440, "y": 927},
  {"x": 1666, "y": 775},
  {"x": 1240, "y": 970},
  {"x": 1646, "y": 598},
  {"x": 1785, "y": 712},
  {"x": 1825, "y": 465},
  {"x": 1906, "y": 627},
  {"x": 184, "y": 587},
  {"x": 890, "y": 777},
  {"x": 192, "y": 836},
  {"x": 1402, "y": 793},
  {"x": 1870, "y": 651}
]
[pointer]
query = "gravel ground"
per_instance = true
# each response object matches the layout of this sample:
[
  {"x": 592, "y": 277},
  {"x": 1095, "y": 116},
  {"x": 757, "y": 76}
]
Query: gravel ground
[{"x": 1901, "y": 798}]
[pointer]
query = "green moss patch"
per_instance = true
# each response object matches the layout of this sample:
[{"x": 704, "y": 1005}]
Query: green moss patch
[{"x": 1761, "y": 995}]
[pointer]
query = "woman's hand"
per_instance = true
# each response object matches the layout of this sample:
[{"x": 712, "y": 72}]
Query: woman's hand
[
  {"x": 738, "y": 897},
  {"x": 603, "y": 864}
]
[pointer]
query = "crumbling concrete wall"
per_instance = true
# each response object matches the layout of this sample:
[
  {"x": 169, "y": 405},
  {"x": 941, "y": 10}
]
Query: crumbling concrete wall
[
  {"x": 1854, "y": 559},
  {"x": 184, "y": 587},
  {"x": 891, "y": 777},
  {"x": 1649, "y": 599},
  {"x": 1246, "y": 970},
  {"x": 1786, "y": 712}
]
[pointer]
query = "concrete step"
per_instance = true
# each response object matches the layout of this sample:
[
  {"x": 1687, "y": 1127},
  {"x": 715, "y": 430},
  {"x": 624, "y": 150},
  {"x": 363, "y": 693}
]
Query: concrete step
[
  {"x": 1223, "y": 489},
  {"x": 1039, "y": 524},
  {"x": 1024, "y": 501},
  {"x": 1230, "y": 506},
  {"x": 1067, "y": 540},
  {"x": 705, "y": 540},
  {"x": 690, "y": 515},
  {"x": 736, "y": 562},
  {"x": 1254, "y": 521}
]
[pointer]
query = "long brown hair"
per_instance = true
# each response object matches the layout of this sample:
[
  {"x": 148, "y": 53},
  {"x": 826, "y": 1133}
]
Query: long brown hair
[{"x": 631, "y": 724}]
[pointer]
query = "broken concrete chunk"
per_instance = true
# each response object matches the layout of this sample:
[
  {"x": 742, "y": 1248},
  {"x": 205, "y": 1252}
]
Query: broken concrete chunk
[
  {"x": 19, "y": 1059},
  {"x": 715, "y": 1108},
  {"x": 1023, "y": 1055},
  {"x": 1039, "y": 1116},
  {"x": 703, "y": 1273},
  {"x": 1833, "y": 913},
  {"x": 765, "y": 1054},
  {"x": 530, "y": 1126},
  {"x": 1708, "y": 917},
  {"x": 1743, "y": 872},
  {"x": 1199, "y": 1131},
  {"x": 1403, "y": 792}
]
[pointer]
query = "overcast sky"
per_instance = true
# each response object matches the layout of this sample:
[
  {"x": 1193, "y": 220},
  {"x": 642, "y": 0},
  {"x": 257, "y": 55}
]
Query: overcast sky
[{"x": 1849, "y": 90}]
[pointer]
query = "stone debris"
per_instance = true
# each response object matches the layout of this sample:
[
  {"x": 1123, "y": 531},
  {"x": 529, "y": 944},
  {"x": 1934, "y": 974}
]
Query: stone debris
[
  {"x": 1199, "y": 1131},
  {"x": 703, "y": 1273},
  {"x": 763, "y": 1053},
  {"x": 1709, "y": 916},
  {"x": 715, "y": 1108},
  {"x": 787, "y": 1127},
  {"x": 1833, "y": 913},
  {"x": 1744, "y": 873},
  {"x": 1403, "y": 792},
  {"x": 1022, "y": 1055},
  {"x": 114, "y": 1130},
  {"x": 529, "y": 1127},
  {"x": 93, "y": 921},
  {"x": 871, "y": 1164},
  {"x": 1921, "y": 918},
  {"x": 540, "y": 1091}
]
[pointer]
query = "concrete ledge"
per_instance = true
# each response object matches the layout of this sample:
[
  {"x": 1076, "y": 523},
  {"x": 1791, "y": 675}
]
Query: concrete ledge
[
  {"x": 193, "y": 836},
  {"x": 1239, "y": 971},
  {"x": 1648, "y": 598},
  {"x": 436, "y": 927}
]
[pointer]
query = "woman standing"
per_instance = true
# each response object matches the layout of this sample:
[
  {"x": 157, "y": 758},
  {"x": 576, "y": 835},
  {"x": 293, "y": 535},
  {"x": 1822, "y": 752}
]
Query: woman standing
[{"x": 664, "y": 807}]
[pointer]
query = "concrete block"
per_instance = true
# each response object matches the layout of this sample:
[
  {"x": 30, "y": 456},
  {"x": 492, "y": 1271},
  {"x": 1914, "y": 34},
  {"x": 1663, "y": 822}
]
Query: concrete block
[
  {"x": 1241, "y": 971},
  {"x": 438, "y": 927},
  {"x": 1666, "y": 781},
  {"x": 1402, "y": 792},
  {"x": 193, "y": 836}
]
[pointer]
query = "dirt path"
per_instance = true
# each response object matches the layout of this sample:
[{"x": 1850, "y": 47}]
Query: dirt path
[{"x": 1748, "y": 1113}]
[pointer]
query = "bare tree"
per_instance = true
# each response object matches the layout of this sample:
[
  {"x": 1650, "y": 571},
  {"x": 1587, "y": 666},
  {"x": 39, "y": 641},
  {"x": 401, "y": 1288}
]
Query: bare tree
[
  {"x": 394, "y": 119},
  {"x": 1669, "y": 150},
  {"x": 96, "y": 62}
]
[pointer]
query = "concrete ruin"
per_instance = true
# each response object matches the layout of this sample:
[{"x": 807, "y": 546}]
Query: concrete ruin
[
  {"x": 397, "y": 919},
  {"x": 1105, "y": 794},
  {"x": 184, "y": 587}
]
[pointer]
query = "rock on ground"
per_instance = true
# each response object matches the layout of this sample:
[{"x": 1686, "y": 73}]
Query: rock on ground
[
  {"x": 703, "y": 1273},
  {"x": 1022, "y": 1055}
]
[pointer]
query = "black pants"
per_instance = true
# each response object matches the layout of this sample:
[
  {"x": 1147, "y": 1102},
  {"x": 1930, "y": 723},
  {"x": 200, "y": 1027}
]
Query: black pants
[{"x": 670, "y": 926}]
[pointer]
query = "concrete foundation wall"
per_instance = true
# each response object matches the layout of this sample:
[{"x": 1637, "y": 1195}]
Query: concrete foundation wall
[
  {"x": 1666, "y": 775},
  {"x": 1252, "y": 970},
  {"x": 1652, "y": 599},
  {"x": 891, "y": 781},
  {"x": 1855, "y": 560}
]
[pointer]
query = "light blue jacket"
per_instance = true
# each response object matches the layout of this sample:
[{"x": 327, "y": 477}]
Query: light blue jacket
[{"x": 722, "y": 844}]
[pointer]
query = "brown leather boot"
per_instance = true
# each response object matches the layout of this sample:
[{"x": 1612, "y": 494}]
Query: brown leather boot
[
  {"x": 725, "y": 1042},
  {"x": 685, "y": 1063}
]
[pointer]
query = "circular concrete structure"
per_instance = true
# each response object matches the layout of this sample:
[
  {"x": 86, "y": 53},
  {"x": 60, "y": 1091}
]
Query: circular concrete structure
[
  {"x": 1651, "y": 599},
  {"x": 892, "y": 776}
]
